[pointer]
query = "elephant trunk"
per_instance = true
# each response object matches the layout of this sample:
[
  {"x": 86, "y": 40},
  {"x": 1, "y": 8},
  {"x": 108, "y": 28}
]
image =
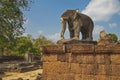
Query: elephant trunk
[{"x": 63, "y": 22}]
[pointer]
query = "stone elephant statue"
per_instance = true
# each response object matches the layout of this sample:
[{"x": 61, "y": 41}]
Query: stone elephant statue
[{"x": 77, "y": 22}]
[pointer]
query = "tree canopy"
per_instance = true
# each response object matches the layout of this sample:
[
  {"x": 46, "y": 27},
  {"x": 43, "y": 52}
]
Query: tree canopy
[
  {"x": 28, "y": 44},
  {"x": 11, "y": 20},
  {"x": 113, "y": 37}
]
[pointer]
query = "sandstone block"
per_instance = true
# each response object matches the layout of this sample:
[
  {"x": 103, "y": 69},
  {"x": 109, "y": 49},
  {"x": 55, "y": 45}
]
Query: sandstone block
[
  {"x": 66, "y": 57},
  {"x": 75, "y": 68},
  {"x": 88, "y": 77},
  {"x": 81, "y": 62},
  {"x": 115, "y": 58},
  {"x": 88, "y": 59},
  {"x": 102, "y": 49},
  {"x": 68, "y": 77},
  {"x": 88, "y": 48},
  {"x": 52, "y": 49},
  {"x": 77, "y": 58},
  {"x": 52, "y": 76},
  {"x": 101, "y": 70},
  {"x": 114, "y": 77},
  {"x": 88, "y": 69},
  {"x": 78, "y": 76},
  {"x": 102, "y": 77},
  {"x": 100, "y": 58},
  {"x": 61, "y": 57},
  {"x": 56, "y": 67},
  {"x": 50, "y": 57},
  {"x": 116, "y": 49},
  {"x": 115, "y": 70}
]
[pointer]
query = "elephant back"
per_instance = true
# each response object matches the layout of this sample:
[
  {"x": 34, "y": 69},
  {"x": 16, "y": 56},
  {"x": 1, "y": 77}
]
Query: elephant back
[{"x": 86, "y": 20}]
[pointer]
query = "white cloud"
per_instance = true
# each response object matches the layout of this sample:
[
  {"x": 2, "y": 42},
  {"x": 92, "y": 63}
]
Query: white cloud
[
  {"x": 97, "y": 29},
  {"x": 102, "y": 10},
  {"x": 112, "y": 25},
  {"x": 40, "y": 32},
  {"x": 55, "y": 37}
]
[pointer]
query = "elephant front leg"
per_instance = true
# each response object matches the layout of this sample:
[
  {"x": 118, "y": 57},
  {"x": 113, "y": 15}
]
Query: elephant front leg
[
  {"x": 62, "y": 35},
  {"x": 71, "y": 29},
  {"x": 76, "y": 30}
]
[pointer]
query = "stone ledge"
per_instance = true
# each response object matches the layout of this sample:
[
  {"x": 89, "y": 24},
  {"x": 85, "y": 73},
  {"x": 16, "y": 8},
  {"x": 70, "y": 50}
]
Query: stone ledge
[
  {"x": 74, "y": 41},
  {"x": 88, "y": 48},
  {"x": 52, "y": 49},
  {"x": 81, "y": 48},
  {"x": 103, "y": 49}
]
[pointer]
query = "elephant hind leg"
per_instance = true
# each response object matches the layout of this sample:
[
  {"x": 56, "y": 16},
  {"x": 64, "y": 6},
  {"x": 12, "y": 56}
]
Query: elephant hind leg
[
  {"x": 90, "y": 34},
  {"x": 90, "y": 38},
  {"x": 86, "y": 36},
  {"x": 83, "y": 36}
]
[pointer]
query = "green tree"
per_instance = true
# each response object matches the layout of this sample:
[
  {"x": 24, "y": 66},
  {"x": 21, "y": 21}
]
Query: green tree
[
  {"x": 11, "y": 21},
  {"x": 24, "y": 44},
  {"x": 42, "y": 41},
  {"x": 113, "y": 37}
]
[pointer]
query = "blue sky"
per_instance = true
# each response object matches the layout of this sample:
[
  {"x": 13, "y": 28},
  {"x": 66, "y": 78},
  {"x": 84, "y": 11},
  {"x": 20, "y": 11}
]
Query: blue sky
[{"x": 44, "y": 16}]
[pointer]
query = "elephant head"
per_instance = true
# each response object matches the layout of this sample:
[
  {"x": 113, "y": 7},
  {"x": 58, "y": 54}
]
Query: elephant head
[{"x": 68, "y": 17}]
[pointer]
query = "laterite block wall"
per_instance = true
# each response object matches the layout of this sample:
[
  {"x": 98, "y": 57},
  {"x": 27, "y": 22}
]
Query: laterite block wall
[{"x": 81, "y": 62}]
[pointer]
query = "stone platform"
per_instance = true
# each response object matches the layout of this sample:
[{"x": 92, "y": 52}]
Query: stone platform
[
  {"x": 81, "y": 62},
  {"x": 74, "y": 41}
]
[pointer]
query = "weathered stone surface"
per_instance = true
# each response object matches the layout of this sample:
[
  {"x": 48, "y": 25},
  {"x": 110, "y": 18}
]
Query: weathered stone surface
[
  {"x": 50, "y": 57},
  {"x": 57, "y": 76},
  {"x": 83, "y": 58},
  {"x": 69, "y": 76},
  {"x": 115, "y": 59},
  {"x": 115, "y": 70},
  {"x": 68, "y": 57},
  {"x": 104, "y": 42},
  {"x": 88, "y": 59},
  {"x": 102, "y": 49},
  {"x": 77, "y": 58},
  {"x": 78, "y": 76},
  {"x": 116, "y": 49},
  {"x": 100, "y": 58},
  {"x": 61, "y": 57},
  {"x": 88, "y": 69},
  {"x": 101, "y": 70},
  {"x": 74, "y": 41},
  {"x": 56, "y": 67},
  {"x": 81, "y": 62},
  {"x": 114, "y": 77},
  {"x": 52, "y": 76},
  {"x": 53, "y": 49},
  {"x": 88, "y": 77},
  {"x": 64, "y": 57},
  {"x": 102, "y": 77},
  {"x": 75, "y": 68},
  {"x": 82, "y": 48}
]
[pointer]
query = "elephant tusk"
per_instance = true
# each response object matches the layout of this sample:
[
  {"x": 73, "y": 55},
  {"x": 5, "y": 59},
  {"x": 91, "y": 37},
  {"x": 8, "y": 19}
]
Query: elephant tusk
[
  {"x": 61, "y": 19},
  {"x": 77, "y": 10}
]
